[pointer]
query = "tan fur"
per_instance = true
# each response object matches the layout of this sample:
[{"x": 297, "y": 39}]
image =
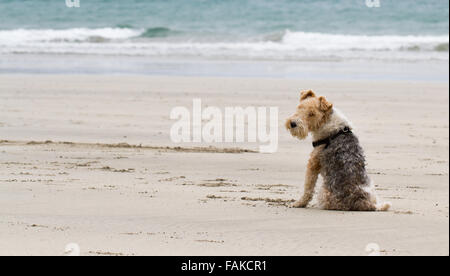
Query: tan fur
[
  {"x": 306, "y": 94},
  {"x": 312, "y": 174},
  {"x": 311, "y": 114}
]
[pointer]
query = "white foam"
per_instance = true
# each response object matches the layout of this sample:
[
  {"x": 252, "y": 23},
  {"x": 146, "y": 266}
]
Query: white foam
[
  {"x": 318, "y": 41},
  {"x": 22, "y": 36},
  {"x": 292, "y": 46}
]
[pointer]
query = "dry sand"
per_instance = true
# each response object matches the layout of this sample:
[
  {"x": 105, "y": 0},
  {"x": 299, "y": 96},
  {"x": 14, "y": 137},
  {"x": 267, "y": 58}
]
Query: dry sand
[{"x": 88, "y": 159}]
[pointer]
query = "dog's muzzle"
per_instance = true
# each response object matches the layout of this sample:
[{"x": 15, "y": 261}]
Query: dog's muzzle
[{"x": 297, "y": 128}]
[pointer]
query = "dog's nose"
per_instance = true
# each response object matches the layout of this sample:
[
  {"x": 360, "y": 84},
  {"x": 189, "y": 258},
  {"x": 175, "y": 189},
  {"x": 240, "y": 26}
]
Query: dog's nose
[{"x": 293, "y": 124}]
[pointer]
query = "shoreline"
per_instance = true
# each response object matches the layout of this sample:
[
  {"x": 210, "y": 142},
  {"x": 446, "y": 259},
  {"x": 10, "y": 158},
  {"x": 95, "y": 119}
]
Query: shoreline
[{"x": 341, "y": 69}]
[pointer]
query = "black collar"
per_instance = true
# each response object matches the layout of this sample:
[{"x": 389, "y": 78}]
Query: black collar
[{"x": 328, "y": 140}]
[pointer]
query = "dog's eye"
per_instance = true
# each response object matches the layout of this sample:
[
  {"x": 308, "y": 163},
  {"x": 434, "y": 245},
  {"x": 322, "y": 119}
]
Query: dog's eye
[{"x": 311, "y": 114}]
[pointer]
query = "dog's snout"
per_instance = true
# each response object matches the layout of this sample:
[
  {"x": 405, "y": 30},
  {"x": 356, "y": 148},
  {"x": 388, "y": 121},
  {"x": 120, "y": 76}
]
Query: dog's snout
[{"x": 293, "y": 124}]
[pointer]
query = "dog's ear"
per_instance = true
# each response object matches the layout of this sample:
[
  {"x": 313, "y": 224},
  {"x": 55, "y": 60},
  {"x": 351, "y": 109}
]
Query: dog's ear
[
  {"x": 306, "y": 94},
  {"x": 324, "y": 105}
]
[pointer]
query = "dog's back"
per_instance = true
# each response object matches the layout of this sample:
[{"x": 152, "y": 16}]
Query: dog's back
[{"x": 344, "y": 173}]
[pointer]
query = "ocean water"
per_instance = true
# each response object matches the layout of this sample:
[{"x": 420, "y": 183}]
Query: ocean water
[{"x": 228, "y": 30}]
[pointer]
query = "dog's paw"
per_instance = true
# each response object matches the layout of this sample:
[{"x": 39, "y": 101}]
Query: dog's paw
[{"x": 299, "y": 204}]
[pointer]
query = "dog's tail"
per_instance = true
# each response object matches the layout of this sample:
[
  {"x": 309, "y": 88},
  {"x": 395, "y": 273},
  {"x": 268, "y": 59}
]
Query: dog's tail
[{"x": 383, "y": 207}]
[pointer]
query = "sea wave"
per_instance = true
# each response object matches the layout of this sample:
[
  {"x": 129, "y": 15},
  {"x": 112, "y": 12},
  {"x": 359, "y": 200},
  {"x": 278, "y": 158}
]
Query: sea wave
[
  {"x": 320, "y": 41},
  {"x": 442, "y": 47},
  {"x": 157, "y": 41},
  {"x": 27, "y": 36},
  {"x": 159, "y": 32}
]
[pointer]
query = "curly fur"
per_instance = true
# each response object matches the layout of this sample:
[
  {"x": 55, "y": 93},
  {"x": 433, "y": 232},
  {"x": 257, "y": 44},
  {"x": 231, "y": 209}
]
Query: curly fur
[{"x": 344, "y": 174}]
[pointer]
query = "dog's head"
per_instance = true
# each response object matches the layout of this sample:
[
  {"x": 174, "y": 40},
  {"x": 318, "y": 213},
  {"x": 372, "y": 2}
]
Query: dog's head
[{"x": 312, "y": 113}]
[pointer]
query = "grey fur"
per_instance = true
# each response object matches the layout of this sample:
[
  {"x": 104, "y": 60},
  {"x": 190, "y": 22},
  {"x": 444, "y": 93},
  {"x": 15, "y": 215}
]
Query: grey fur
[{"x": 343, "y": 169}]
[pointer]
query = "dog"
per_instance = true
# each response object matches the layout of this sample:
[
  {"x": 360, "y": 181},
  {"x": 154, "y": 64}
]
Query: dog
[{"x": 337, "y": 157}]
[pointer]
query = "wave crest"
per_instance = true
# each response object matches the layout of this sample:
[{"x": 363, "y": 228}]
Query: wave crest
[
  {"x": 158, "y": 32},
  {"x": 24, "y": 36},
  {"x": 319, "y": 41},
  {"x": 287, "y": 45}
]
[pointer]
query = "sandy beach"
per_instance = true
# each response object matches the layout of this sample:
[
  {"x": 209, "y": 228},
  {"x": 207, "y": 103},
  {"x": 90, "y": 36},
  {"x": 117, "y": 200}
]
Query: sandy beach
[{"x": 89, "y": 160}]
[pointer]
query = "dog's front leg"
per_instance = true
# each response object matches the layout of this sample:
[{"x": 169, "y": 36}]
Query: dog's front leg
[{"x": 312, "y": 174}]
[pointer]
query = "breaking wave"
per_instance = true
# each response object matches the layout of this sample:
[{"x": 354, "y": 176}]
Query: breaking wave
[{"x": 156, "y": 41}]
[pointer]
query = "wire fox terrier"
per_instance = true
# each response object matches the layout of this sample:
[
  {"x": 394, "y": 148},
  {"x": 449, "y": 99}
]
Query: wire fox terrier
[{"x": 337, "y": 156}]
